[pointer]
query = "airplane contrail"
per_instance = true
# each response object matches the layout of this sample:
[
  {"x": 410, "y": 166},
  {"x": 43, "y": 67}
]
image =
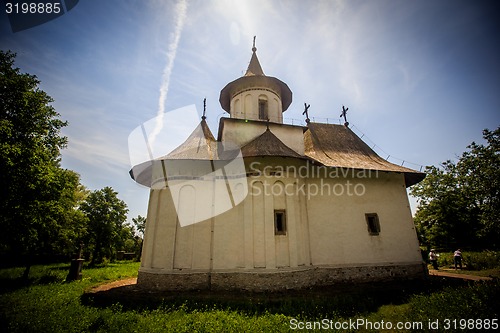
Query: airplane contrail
[{"x": 180, "y": 16}]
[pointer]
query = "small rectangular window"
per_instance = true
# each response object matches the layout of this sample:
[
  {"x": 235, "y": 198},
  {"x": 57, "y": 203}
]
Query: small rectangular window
[
  {"x": 263, "y": 110},
  {"x": 373, "y": 224},
  {"x": 279, "y": 222}
]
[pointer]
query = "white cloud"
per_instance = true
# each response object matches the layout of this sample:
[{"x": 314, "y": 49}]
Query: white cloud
[{"x": 98, "y": 151}]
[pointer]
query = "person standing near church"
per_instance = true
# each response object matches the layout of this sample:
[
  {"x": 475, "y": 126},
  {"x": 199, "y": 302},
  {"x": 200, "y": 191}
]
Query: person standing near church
[
  {"x": 457, "y": 258},
  {"x": 433, "y": 258}
]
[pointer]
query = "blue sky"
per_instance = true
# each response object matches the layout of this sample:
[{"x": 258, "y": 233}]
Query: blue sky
[{"x": 421, "y": 78}]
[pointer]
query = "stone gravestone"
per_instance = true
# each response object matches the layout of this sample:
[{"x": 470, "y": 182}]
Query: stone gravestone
[
  {"x": 75, "y": 270},
  {"x": 120, "y": 255}
]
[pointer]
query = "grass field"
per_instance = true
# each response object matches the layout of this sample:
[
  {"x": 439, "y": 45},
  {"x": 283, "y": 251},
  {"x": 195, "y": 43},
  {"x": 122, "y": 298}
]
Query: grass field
[{"x": 47, "y": 304}]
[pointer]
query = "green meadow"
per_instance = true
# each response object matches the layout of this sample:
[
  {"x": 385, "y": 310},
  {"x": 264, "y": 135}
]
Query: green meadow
[{"x": 46, "y": 303}]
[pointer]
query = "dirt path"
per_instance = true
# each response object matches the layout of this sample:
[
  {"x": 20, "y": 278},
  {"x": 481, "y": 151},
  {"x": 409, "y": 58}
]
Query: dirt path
[
  {"x": 115, "y": 284},
  {"x": 450, "y": 273}
]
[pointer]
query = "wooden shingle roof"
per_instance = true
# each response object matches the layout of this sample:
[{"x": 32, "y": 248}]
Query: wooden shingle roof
[
  {"x": 200, "y": 145},
  {"x": 330, "y": 145},
  {"x": 338, "y": 146},
  {"x": 267, "y": 144}
]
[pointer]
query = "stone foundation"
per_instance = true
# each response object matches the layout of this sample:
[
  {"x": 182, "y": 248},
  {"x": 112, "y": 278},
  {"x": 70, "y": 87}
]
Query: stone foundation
[{"x": 279, "y": 279}]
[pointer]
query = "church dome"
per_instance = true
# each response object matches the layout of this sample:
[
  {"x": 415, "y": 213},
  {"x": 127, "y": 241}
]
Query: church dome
[{"x": 255, "y": 80}]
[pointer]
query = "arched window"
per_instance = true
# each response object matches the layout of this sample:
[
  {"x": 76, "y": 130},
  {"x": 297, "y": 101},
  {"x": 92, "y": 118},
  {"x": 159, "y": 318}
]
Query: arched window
[
  {"x": 263, "y": 108},
  {"x": 237, "y": 112}
]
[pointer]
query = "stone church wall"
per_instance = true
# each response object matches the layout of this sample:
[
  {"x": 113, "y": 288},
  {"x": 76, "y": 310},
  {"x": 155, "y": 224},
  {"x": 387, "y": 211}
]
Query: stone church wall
[{"x": 277, "y": 280}]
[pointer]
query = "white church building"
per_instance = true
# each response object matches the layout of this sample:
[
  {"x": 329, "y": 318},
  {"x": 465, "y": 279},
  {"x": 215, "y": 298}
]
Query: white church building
[{"x": 284, "y": 207}]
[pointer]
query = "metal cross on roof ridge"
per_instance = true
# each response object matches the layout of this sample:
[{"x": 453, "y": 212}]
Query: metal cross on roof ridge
[
  {"x": 306, "y": 112},
  {"x": 344, "y": 114},
  {"x": 204, "y": 108}
]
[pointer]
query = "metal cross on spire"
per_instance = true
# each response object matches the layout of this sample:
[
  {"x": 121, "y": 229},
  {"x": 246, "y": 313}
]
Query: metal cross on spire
[
  {"x": 204, "y": 108},
  {"x": 254, "y": 48},
  {"x": 344, "y": 114},
  {"x": 306, "y": 112}
]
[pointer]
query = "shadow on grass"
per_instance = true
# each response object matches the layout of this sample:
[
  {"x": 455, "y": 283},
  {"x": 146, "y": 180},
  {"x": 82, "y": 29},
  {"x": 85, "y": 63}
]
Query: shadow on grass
[
  {"x": 10, "y": 285},
  {"x": 60, "y": 268},
  {"x": 321, "y": 302},
  {"x": 51, "y": 275}
]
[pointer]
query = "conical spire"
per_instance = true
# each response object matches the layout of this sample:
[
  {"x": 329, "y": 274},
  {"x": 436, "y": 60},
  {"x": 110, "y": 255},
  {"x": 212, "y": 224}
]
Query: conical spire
[
  {"x": 255, "y": 79},
  {"x": 254, "y": 67}
]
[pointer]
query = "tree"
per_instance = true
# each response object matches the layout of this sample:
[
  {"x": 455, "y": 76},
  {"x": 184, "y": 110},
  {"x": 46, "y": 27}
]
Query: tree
[
  {"x": 129, "y": 239},
  {"x": 106, "y": 215},
  {"x": 442, "y": 217},
  {"x": 479, "y": 168},
  {"x": 36, "y": 196},
  {"x": 72, "y": 222},
  {"x": 140, "y": 225},
  {"x": 459, "y": 204}
]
